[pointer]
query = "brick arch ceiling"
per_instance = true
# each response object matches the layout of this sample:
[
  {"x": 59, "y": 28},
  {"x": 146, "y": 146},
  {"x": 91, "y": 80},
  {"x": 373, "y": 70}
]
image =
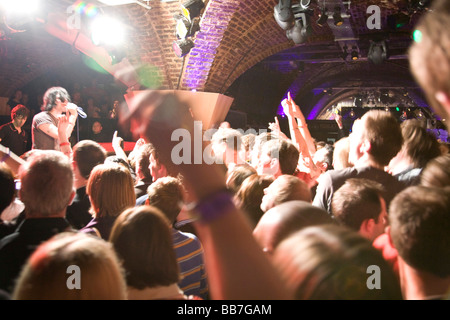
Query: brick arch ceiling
[{"x": 234, "y": 36}]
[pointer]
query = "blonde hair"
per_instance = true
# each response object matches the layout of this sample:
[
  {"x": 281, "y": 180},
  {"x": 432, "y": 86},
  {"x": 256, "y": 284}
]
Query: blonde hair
[
  {"x": 111, "y": 190},
  {"x": 47, "y": 276}
]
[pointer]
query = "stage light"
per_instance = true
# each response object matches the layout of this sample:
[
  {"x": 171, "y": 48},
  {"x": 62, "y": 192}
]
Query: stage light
[
  {"x": 305, "y": 4},
  {"x": 283, "y": 14},
  {"x": 323, "y": 18},
  {"x": 185, "y": 28},
  {"x": 191, "y": 9},
  {"x": 182, "y": 47},
  {"x": 300, "y": 31},
  {"x": 378, "y": 52},
  {"x": 338, "y": 21},
  {"x": 355, "y": 54},
  {"x": 107, "y": 31}
]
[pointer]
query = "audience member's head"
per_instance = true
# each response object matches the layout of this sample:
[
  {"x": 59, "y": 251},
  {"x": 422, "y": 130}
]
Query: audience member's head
[
  {"x": 237, "y": 174},
  {"x": 279, "y": 222},
  {"x": 340, "y": 154},
  {"x": 72, "y": 266},
  {"x": 7, "y": 187},
  {"x": 278, "y": 156},
  {"x": 323, "y": 158},
  {"x": 167, "y": 195},
  {"x": 260, "y": 139},
  {"x": 419, "y": 147},
  {"x": 142, "y": 162},
  {"x": 359, "y": 204},
  {"x": 285, "y": 188},
  {"x": 46, "y": 184},
  {"x": 226, "y": 145},
  {"x": 86, "y": 155},
  {"x": 143, "y": 241},
  {"x": 331, "y": 262},
  {"x": 111, "y": 190},
  {"x": 419, "y": 223},
  {"x": 250, "y": 194},
  {"x": 429, "y": 56},
  {"x": 437, "y": 172},
  {"x": 248, "y": 141},
  {"x": 376, "y": 138}
]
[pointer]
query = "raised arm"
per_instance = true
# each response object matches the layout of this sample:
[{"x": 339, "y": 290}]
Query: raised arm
[
  {"x": 236, "y": 266},
  {"x": 117, "y": 146},
  {"x": 64, "y": 144},
  {"x": 302, "y": 125}
]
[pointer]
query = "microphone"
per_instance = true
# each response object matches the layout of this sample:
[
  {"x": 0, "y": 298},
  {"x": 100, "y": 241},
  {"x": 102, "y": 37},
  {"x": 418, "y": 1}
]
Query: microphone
[{"x": 80, "y": 110}]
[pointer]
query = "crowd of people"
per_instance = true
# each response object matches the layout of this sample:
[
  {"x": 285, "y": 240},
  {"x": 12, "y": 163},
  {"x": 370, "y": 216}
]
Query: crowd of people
[{"x": 264, "y": 216}]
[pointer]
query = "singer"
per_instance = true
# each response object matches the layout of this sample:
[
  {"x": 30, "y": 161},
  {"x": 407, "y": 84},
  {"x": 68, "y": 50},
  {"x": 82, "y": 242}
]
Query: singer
[{"x": 44, "y": 128}]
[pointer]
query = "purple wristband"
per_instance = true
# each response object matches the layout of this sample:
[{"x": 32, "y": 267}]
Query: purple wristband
[{"x": 214, "y": 206}]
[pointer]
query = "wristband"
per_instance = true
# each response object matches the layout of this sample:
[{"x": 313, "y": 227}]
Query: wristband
[
  {"x": 213, "y": 206},
  {"x": 62, "y": 144},
  {"x": 6, "y": 156}
]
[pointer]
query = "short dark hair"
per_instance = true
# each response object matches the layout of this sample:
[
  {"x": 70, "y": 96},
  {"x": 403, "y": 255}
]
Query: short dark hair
[
  {"x": 383, "y": 131},
  {"x": 287, "y": 153},
  {"x": 355, "y": 201},
  {"x": 19, "y": 110},
  {"x": 52, "y": 94},
  {"x": 87, "y": 154},
  {"x": 419, "y": 227}
]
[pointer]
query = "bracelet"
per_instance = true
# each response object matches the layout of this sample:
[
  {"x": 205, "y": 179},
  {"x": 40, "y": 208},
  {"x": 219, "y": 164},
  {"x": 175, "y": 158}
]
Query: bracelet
[
  {"x": 6, "y": 156},
  {"x": 214, "y": 206},
  {"x": 62, "y": 144}
]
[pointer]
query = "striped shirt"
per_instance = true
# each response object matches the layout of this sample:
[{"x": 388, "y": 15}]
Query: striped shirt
[{"x": 189, "y": 252}]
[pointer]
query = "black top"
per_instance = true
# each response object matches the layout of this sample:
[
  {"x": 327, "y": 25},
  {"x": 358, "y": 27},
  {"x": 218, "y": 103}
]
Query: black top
[
  {"x": 16, "y": 248},
  {"x": 78, "y": 212},
  {"x": 11, "y": 138}
]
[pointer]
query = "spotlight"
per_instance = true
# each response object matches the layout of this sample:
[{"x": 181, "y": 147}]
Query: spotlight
[
  {"x": 338, "y": 21},
  {"x": 305, "y": 4},
  {"x": 378, "y": 52},
  {"x": 283, "y": 14},
  {"x": 107, "y": 31},
  {"x": 300, "y": 31},
  {"x": 185, "y": 28},
  {"x": 352, "y": 114},
  {"x": 323, "y": 18},
  {"x": 192, "y": 8},
  {"x": 182, "y": 47},
  {"x": 355, "y": 54}
]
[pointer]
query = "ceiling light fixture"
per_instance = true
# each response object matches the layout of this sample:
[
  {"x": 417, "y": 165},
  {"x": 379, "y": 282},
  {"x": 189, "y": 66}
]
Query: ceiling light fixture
[
  {"x": 283, "y": 14},
  {"x": 338, "y": 21},
  {"x": 301, "y": 29},
  {"x": 323, "y": 18},
  {"x": 191, "y": 9},
  {"x": 355, "y": 54},
  {"x": 378, "y": 52},
  {"x": 182, "y": 47}
]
